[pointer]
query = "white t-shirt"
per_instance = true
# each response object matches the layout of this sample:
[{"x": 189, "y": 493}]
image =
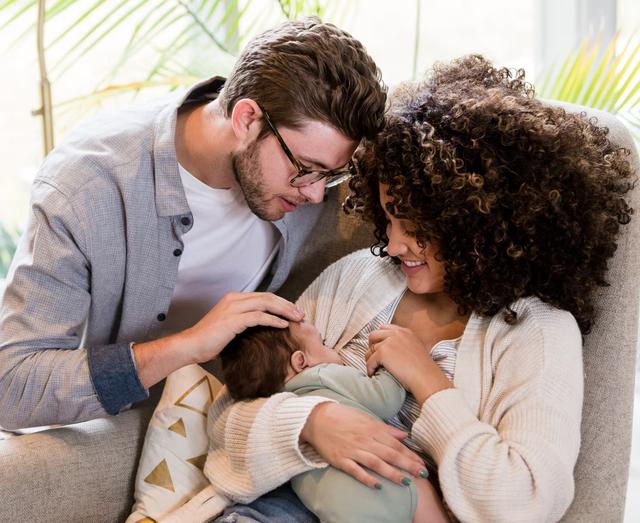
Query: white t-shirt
[{"x": 227, "y": 249}]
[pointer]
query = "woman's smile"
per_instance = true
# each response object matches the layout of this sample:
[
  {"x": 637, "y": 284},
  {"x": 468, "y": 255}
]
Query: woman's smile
[{"x": 411, "y": 267}]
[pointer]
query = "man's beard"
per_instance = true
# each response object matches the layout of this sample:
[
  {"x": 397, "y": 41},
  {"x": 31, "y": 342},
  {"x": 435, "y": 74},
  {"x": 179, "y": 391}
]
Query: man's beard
[{"x": 248, "y": 174}]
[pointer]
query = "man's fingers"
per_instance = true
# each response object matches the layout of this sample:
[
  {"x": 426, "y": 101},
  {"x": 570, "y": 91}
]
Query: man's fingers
[
  {"x": 268, "y": 302},
  {"x": 253, "y": 319}
]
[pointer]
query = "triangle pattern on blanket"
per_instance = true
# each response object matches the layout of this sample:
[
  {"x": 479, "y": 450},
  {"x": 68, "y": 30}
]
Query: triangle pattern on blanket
[
  {"x": 160, "y": 476},
  {"x": 198, "y": 397},
  {"x": 179, "y": 428},
  {"x": 198, "y": 461}
]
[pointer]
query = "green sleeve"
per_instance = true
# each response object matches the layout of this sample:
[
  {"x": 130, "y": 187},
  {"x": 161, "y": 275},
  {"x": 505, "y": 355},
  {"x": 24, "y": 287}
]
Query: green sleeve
[{"x": 382, "y": 394}]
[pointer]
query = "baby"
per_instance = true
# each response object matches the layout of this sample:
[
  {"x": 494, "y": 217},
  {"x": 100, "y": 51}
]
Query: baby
[{"x": 263, "y": 361}]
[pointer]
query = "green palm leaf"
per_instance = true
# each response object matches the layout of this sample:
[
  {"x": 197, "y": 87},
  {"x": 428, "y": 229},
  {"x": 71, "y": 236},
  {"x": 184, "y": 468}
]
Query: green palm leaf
[
  {"x": 608, "y": 80},
  {"x": 92, "y": 21},
  {"x": 177, "y": 40}
]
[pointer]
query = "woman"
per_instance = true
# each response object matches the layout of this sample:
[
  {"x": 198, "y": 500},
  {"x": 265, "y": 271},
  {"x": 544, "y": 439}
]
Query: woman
[{"x": 495, "y": 215}]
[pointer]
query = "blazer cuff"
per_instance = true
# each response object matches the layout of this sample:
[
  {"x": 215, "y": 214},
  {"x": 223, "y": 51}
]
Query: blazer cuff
[{"x": 114, "y": 377}]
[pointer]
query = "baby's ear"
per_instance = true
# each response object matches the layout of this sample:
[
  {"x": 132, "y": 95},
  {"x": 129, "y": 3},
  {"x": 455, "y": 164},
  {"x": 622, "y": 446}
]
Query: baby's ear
[{"x": 298, "y": 361}]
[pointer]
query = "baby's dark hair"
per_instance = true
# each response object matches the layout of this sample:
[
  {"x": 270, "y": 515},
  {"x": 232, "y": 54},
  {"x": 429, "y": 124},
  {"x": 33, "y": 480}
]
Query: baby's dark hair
[{"x": 256, "y": 362}]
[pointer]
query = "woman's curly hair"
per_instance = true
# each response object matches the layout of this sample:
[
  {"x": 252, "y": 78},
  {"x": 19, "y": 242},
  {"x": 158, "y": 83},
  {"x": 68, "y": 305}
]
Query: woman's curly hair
[{"x": 522, "y": 198}]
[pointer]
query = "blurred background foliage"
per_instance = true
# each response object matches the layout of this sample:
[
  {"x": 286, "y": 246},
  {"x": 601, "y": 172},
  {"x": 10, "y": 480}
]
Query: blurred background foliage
[
  {"x": 602, "y": 75},
  {"x": 171, "y": 43},
  {"x": 160, "y": 45}
]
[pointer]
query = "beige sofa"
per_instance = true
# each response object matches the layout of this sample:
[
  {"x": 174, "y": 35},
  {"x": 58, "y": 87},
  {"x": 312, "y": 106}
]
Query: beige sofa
[{"x": 86, "y": 472}]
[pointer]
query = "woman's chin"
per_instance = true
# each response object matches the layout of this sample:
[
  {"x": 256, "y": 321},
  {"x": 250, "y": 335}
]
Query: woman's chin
[{"x": 423, "y": 287}]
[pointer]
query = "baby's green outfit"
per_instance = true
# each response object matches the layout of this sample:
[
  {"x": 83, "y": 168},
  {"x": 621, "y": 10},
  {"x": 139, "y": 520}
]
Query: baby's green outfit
[{"x": 334, "y": 496}]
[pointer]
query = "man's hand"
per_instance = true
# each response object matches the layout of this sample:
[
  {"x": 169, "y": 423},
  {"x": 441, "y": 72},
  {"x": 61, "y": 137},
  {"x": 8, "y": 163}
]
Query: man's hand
[
  {"x": 351, "y": 440},
  {"x": 235, "y": 312}
]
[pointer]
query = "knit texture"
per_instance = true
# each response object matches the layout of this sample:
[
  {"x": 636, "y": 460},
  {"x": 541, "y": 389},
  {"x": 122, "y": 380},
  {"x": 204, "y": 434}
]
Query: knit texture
[{"x": 505, "y": 439}]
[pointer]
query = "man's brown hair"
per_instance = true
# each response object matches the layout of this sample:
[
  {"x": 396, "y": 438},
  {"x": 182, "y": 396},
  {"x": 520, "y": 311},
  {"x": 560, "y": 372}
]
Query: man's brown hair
[
  {"x": 256, "y": 362},
  {"x": 307, "y": 69}
]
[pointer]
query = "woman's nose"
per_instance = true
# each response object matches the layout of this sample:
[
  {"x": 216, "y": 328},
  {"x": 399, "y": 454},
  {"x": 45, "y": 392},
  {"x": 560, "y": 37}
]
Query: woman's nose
[{"x": 397, "y": 246}]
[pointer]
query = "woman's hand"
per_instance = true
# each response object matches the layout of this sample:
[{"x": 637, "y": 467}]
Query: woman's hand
[
  {"x": 401, "y": 352},
  {"x": 350, "y": 440}
]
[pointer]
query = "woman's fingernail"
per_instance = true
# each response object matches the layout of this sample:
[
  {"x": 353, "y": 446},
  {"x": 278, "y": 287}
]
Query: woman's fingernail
[
  {"x": 378, "y": 486},
  {"x": 406, "y": 481},
  {"x": 424, "y": 474}
]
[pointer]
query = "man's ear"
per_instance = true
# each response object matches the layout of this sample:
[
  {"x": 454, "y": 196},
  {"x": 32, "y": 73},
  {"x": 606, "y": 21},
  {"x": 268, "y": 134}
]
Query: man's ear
[
  {"x": 299, "y": 361},
  {"x": 246, "y": 120}
]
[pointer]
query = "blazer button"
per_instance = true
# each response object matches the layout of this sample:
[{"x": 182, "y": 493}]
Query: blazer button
[
  {"x": 185, "y": 221},
  {"x": 177, "y": 252},
  {"x": 162, "y": 316}
]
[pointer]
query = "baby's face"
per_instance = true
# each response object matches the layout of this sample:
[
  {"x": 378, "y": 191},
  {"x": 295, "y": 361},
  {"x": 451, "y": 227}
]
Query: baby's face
[{"x": 312, "y": 344}]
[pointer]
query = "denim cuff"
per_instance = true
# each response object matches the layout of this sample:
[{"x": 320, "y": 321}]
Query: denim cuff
[{"x": 114, "y": 376}]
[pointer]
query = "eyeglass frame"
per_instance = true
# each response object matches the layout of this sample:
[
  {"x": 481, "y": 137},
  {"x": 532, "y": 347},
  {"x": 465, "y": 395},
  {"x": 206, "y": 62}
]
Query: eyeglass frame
[{"x": 342, "y": 174}]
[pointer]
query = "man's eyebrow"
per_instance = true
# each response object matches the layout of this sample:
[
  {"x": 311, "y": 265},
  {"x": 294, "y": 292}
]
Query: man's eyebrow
[{"x": 316, "y": 163}]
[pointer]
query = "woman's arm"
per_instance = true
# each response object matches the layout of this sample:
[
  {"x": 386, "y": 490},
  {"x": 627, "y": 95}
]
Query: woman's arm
[
  {"x": 255, "y": 444},
  {"x": 514, "y": 459},
  {"x": 269, "y": 440}
]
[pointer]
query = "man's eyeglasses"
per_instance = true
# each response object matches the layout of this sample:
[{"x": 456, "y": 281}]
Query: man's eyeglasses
[{"x": 308, "y": 176}]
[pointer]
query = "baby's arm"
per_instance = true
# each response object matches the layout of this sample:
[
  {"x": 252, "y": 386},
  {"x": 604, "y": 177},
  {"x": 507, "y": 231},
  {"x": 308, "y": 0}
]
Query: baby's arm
[{"x": 382, "y": 394}]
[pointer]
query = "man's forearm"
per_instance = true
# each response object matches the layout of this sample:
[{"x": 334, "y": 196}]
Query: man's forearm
[{"x": 156, "y": 359}]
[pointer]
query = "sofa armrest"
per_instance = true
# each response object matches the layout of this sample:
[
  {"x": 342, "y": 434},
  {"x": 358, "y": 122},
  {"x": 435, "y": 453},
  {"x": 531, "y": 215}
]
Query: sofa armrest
[{"x": 81, "y": 472}]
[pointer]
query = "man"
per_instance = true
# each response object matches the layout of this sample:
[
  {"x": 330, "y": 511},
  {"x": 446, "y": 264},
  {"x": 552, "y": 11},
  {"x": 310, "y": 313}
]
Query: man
[{"x": 146, "y": 224}]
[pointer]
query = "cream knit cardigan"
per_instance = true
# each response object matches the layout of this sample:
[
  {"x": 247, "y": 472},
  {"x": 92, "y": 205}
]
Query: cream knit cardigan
[{"x": 505, "y": 438}]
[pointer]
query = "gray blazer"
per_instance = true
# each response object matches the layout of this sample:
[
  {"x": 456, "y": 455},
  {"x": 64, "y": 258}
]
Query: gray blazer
[{"x": 95, "y": 269}]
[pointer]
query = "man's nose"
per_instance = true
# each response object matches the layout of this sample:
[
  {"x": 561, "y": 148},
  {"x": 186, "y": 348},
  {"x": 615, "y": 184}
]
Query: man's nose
[{"x": 314, "y": 193}]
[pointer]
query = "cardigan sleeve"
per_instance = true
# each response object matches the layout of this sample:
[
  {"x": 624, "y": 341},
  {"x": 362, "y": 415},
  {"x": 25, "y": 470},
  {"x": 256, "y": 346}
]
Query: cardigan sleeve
[
  {"x": 514, "y": 460},
  {"x": 254, "y": 445}
]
